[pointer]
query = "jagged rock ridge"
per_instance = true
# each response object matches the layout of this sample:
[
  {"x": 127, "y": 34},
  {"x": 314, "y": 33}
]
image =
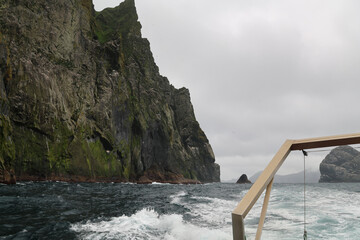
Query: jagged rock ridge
[
  {"x": 342, "y": 164},
  {"x": 81, "y": 99}
]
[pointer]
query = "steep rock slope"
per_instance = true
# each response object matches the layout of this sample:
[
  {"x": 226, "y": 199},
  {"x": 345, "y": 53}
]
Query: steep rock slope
[
  {"x": 81, "y": 99},
  {"x": 342, "y": 164}
]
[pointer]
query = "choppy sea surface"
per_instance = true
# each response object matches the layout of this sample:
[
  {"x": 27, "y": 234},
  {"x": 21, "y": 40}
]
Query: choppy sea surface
[{"x": 58, "y": 210}]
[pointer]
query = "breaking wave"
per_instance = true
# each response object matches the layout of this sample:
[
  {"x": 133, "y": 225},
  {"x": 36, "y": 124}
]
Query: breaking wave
[{"x": 146, "y": 224}]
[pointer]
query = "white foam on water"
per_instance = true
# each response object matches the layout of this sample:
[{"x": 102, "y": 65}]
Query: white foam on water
[
  {"x": 159, "y": 183},
  {"x": 23, "y": 183},
  {"x": 331, "y": 214},
  {"x": 177, "y": 198},
  {"x": 206, "y": 212},
  {"x": 215, "y": 212},
  {"x": 146, "y": 224},
  {"x": 62, "y": 182},
  {"x": 127, "y": 183}
]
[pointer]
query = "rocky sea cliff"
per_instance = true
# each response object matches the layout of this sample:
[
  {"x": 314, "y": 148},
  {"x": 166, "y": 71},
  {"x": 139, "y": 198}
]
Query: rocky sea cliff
[{"x": 81, "y": 99}]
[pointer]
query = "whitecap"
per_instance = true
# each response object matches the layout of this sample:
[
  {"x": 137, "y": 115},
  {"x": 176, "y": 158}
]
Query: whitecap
[
  {"x": 177, "y": 198},
  {"x": 158, "y": 183},
  {"x": 61, "y": 182},
  {"x": 23, "y": 183},
  {"x": 214, "y": 212},
  {"x": 147, "y": 224},
  {"x": 128, "y": 183}
]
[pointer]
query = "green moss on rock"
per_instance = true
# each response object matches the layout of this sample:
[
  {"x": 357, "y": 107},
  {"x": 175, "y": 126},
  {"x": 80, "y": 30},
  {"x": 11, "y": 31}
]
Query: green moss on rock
[
  {"x": 118, "y": 22},
  {"x": 58, "y": 154},
  {"x": 7, "y": 146},
  {"x": 31, "y": 149}
]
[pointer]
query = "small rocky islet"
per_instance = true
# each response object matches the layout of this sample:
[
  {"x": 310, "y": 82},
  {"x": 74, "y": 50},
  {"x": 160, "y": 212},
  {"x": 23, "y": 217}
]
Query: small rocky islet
[
  {"x": 342, "y": 164},
  {"x": 81, "y": 99},
  {"x": 243, "y": 179}
]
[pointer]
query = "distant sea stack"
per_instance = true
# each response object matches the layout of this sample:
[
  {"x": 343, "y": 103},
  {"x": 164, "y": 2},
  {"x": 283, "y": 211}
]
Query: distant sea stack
[
  {"x": 81, "y": 99},
  {"x": 243, "y": 179},
  {"x": 342, "y": 164}
]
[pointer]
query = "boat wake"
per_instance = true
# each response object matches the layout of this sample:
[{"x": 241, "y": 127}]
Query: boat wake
[{"x": 146, "y": 224}]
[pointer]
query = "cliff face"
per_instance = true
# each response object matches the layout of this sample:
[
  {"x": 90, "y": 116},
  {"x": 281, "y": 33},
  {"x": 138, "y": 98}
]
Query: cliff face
[
  {"x": 342, "y": 164},
  {"x": 81, "y": 98}
]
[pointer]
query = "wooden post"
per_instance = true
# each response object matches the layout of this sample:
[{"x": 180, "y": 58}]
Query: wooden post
[
  {"x": 263, "y": 210},
  {"x": 238, "y": 227}
]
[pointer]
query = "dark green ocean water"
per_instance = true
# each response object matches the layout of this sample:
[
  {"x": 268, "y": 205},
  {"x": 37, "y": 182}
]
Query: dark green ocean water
[{"x": 57, "y": 210}]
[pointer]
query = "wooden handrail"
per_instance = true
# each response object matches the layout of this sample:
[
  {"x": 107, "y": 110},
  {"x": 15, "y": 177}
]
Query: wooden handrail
[
  {"x": 331, "y": 141},
  {"x": 250, "y": 198}
]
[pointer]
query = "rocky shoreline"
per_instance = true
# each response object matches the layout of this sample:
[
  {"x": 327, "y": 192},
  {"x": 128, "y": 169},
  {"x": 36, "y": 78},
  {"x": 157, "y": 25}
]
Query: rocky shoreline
[
  {"x": 183, "y": 181},
  {"x": 147, "y": 179}
]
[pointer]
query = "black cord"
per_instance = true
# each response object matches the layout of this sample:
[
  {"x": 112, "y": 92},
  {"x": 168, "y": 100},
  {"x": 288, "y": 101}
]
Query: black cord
[{"x": 305, "y": 233}]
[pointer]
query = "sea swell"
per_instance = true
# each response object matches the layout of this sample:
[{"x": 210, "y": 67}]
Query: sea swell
[{"x": 58, "y": 210}]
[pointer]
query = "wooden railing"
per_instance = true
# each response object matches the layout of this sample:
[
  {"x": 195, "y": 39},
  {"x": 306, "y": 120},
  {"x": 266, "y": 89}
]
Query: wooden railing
[{"x": 266, "y": 178}]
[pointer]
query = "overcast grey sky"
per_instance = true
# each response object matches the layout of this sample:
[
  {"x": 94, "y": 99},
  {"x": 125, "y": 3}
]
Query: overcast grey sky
[{"x": 259, "y": 72}]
